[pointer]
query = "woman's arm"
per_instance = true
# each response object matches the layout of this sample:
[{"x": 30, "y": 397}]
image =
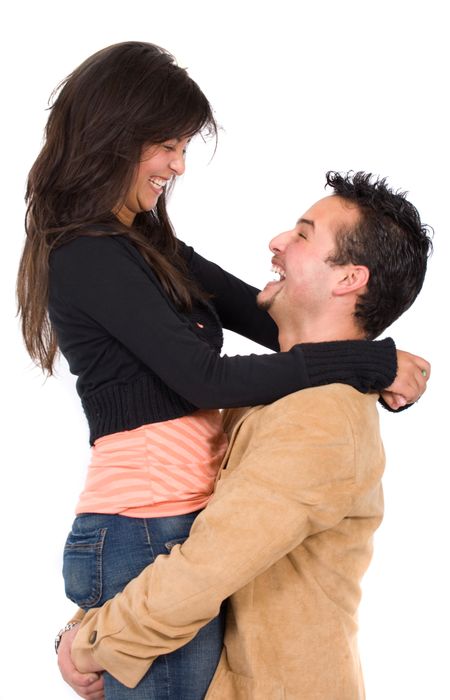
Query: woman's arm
[
  {"x": 109, "y": 286},
  {"x": 234, "y": 300}
]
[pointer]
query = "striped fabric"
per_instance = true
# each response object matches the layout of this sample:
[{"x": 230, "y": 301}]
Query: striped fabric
[{"x": 160, "y": 469}]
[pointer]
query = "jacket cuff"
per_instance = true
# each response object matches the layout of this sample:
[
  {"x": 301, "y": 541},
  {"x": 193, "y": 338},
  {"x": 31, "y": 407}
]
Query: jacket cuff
[{"x": 95, "y": 640}]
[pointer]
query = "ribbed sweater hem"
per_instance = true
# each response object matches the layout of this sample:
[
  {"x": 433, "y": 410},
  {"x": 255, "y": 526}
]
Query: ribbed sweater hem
[{"x": 128, "y": 405}]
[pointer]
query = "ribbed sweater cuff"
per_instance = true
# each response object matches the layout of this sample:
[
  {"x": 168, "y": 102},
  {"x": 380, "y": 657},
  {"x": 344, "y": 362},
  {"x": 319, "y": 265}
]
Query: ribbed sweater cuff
[{"x": 366, "y": 365}]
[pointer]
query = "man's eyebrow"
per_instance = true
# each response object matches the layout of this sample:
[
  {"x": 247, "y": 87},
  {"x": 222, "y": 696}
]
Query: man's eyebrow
[{"x": 305, "y": 221}]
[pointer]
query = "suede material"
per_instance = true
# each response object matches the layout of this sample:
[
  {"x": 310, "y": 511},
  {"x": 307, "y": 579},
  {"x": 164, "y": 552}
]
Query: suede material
[{"x": 288, "y": 535}]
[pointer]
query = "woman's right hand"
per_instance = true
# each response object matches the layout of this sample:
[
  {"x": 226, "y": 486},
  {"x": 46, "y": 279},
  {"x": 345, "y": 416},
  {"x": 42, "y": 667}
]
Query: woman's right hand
[
  {"x": 87, "y": 685},
  {"x": 410, "y": 383}
]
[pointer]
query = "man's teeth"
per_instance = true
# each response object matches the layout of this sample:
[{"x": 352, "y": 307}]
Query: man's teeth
[
  {"x": 158, "y": 181},
  {"x": 278, "y": 271}
]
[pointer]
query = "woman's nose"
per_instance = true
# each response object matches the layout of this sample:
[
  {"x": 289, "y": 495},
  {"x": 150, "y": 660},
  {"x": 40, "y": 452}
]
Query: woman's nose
[{"x": 178, "y": 165}]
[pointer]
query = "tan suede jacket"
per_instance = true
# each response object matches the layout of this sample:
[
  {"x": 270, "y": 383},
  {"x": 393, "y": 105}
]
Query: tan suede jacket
[{"x": 288, "y": 535}]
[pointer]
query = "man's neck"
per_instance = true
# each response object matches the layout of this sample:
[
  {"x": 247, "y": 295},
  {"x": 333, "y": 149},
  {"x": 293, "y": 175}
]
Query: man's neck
[{"x": 317, "y": 333}]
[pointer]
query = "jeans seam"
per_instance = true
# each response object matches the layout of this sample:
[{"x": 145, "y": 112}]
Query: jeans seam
[
  {"x": 166, "y": 664},
  {"x": 149, "y": 539},
  {"x": 99, "y": 562}
]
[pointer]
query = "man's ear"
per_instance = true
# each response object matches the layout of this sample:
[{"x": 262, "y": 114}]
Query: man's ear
[{"x": 353, "y": 278}]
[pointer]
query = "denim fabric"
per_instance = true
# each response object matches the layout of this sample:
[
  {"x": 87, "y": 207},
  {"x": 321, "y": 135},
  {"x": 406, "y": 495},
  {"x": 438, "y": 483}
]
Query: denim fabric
[{"x": 102, "y": 554}]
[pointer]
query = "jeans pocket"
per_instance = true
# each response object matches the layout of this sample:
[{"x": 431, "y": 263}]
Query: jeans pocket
[{"x": 82, "y": 567}]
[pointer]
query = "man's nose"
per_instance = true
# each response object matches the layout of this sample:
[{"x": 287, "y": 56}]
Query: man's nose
[{"x": 279, "y": 243}]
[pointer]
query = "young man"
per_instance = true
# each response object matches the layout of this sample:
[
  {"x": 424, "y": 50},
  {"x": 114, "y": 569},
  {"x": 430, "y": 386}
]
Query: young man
[{"x": 287, "y": 535}]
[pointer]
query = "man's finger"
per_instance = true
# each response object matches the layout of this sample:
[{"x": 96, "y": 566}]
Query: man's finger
[{"x": 93, "y": 692}]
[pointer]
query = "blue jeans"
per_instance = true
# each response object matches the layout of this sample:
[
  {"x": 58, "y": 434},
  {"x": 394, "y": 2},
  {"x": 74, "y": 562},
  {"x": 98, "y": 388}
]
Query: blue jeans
[{"x": 102, "y": 554}]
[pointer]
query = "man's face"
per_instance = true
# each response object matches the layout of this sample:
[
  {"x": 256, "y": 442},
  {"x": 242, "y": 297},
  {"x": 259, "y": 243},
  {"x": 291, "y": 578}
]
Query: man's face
[{"x": 306, "y": 279}]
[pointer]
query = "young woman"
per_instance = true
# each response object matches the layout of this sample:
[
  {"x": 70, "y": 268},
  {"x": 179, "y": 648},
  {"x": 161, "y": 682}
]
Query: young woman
[{"x": 139, "y": 316}]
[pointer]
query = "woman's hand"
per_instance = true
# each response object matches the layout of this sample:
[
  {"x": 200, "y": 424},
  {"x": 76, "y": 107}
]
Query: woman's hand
[
  {"x": 87, "y": 685},
  {"x": 410, "y": 383}
]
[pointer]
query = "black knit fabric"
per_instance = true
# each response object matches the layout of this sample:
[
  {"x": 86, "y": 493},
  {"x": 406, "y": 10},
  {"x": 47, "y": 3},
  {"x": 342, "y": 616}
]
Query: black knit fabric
[
  {"x": 139, "y": 360},
  {"x": 356, "y": 362}
]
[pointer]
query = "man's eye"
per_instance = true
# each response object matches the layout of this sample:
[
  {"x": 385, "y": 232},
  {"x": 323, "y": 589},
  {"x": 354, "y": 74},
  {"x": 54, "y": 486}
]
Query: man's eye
[{"x": 302, "y": 235}]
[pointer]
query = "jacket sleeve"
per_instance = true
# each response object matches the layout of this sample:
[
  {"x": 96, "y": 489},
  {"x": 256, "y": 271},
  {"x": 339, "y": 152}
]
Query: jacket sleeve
[
  {"x": 296, "y": 478},
  {"x": 102, "y": 280}
]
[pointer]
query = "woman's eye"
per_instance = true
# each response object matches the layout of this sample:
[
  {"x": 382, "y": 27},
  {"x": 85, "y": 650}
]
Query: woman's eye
[{"x": 168, "y": 147}]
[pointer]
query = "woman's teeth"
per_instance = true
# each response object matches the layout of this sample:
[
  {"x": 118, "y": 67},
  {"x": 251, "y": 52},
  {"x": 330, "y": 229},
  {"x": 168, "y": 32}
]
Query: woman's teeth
[{"x": 158, "y": 181}]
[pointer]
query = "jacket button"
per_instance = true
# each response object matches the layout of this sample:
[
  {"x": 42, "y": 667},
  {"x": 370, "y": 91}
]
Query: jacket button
[{"x": 93, "y": 637}]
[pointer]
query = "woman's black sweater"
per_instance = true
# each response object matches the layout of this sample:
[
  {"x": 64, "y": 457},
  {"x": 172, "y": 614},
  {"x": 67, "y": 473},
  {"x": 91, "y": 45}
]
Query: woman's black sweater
[{"x": 139, "y": 360}]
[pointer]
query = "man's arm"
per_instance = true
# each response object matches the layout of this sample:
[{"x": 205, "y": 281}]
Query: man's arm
[{"x": 294, "y": 478}]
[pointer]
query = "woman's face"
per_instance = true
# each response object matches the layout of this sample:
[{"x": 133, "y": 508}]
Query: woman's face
[{"x": 158, "y": 165}]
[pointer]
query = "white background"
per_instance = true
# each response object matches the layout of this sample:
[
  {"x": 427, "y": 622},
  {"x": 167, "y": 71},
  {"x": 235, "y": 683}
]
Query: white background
[{"x": 299, "y": 88}]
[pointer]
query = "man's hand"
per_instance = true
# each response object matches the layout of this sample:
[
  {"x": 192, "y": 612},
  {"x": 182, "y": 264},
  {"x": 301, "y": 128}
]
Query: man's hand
[
  {"x": 410, "y": 383},
  {"x": 87, "y": 685}
]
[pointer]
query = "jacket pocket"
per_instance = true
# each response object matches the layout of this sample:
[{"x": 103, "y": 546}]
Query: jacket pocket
[
  {"x": 82, "y": 567},
  {"x": 171, "y": 543},
  {"x": 232, "y": 686}
]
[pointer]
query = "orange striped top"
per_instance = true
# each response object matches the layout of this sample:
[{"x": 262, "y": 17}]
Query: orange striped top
[{"x": 160, "y": 469}]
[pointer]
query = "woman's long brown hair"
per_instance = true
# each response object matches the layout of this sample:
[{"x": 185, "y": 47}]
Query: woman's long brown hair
[{"x": 119, "y": 100}]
